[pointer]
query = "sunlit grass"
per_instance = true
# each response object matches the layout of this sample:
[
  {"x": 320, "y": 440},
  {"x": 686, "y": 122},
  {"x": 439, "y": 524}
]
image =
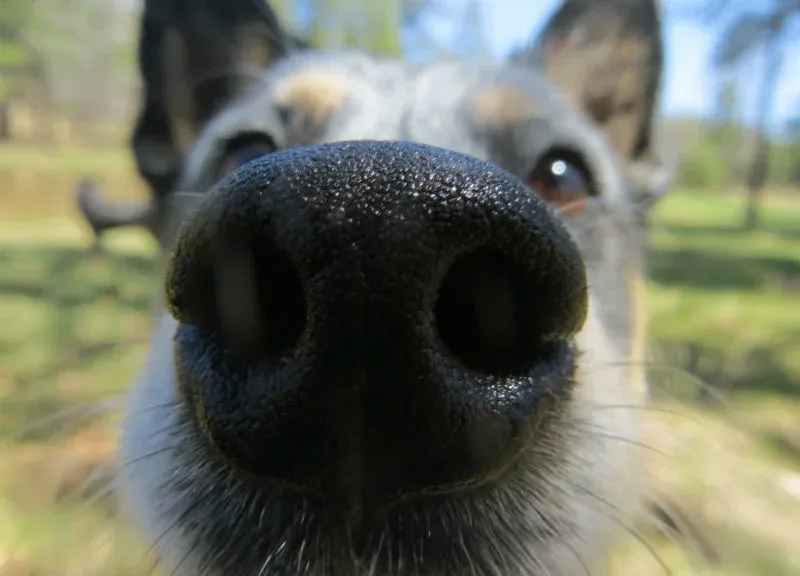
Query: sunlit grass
[
  {"x": 72, "y": 161},
  {"x": 723, "y": 304},
  {"x": 37, "y": 185}
]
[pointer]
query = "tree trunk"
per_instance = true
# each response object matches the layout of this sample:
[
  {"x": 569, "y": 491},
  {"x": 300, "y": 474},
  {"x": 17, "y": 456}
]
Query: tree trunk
[
  {"x": 751, "y": 210},
  {"x": 5, "y": 121},
  {"x": 759, "y": 167},
  {"x": 756, "y": 179}
]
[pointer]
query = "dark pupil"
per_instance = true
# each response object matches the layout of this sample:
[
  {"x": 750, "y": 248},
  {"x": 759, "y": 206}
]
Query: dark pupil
[
  {"x": 562, "y": 175},
  {"x": 244, "y": 148}
]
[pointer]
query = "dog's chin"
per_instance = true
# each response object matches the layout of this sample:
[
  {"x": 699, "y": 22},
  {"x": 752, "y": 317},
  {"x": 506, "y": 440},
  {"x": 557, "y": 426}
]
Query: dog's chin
[
  {"x": 221, "y": 521},
  {"x": 556, "y": 511},
  {"x": 227, "y": 522}
]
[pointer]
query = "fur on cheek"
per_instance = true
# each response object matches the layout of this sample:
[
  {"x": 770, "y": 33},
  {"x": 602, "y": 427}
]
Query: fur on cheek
[
  {"x": 146, "y": 455},
  {"x": 607, "y": 428}
]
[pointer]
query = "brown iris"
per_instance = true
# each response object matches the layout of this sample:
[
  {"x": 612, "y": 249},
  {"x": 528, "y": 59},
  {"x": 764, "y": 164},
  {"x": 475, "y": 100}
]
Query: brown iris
[{"x": 562, "y": 182}]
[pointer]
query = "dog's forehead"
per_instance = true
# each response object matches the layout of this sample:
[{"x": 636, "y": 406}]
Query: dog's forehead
[
  {"x": 502, "y": 112},
  {"x": 315, "y": 97},
  {"x": 349, "y": 86}
]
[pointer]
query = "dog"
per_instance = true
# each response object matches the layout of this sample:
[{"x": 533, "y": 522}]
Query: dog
[{"x": 402, "y": 319}]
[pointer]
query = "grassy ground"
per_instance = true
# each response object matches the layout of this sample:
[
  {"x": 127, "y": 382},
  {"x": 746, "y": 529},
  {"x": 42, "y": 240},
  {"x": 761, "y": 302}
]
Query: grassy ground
[{"x": 723, "y": 306}]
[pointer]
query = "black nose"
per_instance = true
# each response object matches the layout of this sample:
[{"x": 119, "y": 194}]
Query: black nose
[{"x": 367, "y": 322}]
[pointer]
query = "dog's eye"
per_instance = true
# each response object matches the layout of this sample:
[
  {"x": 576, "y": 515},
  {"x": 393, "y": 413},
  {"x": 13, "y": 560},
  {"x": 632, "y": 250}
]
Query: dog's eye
[
  {"x": 242, "y": 149},
  {"x": 562, "y": 182}
]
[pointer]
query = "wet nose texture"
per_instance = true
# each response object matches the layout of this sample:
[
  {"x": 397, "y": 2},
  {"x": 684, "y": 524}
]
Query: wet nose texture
[{"x": 367, "y": 322}]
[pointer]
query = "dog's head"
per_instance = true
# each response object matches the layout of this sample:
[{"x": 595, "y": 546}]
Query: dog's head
[{"x": 405, "y": 302}]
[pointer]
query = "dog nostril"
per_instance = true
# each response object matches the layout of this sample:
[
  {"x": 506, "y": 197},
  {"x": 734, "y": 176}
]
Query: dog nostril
[
  {"x": 245, "y": 291},
  {"x": 482, "y": 313}
]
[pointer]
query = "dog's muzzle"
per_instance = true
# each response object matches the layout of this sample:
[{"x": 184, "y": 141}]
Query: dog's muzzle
[{"x": 365, "y": 323}]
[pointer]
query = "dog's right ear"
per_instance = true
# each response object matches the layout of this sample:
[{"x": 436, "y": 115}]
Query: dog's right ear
[
  {"x": 194, "y": 57},
  {"x": 607, "y": 57}
]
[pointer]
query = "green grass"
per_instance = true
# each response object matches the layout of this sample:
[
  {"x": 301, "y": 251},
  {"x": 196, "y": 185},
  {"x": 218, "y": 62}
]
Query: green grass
[
  {"x": 723, "y": 307},
  {"x": 723, "y": 304},
  {"x": 76, "y": 162},
  {"x": 728, "y": 295}
]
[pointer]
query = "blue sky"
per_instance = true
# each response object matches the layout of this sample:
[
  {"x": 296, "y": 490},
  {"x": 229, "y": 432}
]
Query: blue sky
[{"x": 689, "y": 88}]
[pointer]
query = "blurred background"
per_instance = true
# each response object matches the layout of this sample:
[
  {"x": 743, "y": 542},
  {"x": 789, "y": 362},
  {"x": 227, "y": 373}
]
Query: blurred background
[{"x": 724, "y": 266}]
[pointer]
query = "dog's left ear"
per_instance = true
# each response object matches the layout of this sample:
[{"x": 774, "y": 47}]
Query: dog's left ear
[{"x": 607, "y": 56}]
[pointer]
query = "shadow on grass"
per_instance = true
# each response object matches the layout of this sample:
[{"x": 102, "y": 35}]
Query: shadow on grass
[
  {"x": 67, "y": 309},
  {"x": 71, "y": 320},
  {"x": 786, "y": 448},
  {"x": 701, "y": 370},
  {"x": 705, "y": 269},
  {"x": 69, "y": 276},
  {"x": 690, "y": 231}
]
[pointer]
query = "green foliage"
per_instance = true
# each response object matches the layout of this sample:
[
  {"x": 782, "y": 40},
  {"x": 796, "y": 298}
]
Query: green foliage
[
  {"x": 367, "y": 24},
  {"x": 11, "y": 54},
  {"x": 384, "y": 20},
  {"x": 703, "y": 167},
  {"x": 785, "y": 163},
  {"x": 75, "y": 59},
  {"x": 15, "y": 14},
  {"x": 721, "y": 154},
  {"x": 12, "y": 58},
  {"x": 745, "y": 32}
]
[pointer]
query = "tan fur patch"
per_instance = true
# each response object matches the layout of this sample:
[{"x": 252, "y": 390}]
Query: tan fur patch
[
  {"x": 504, "y": 105},
  {"x": 317, "y": 93}
]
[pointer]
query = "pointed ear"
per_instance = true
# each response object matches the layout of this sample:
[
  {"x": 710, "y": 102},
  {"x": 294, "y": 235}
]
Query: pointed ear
[
  {"x": 607, "y": 58},
  {"x": 194, "y": 57}
]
